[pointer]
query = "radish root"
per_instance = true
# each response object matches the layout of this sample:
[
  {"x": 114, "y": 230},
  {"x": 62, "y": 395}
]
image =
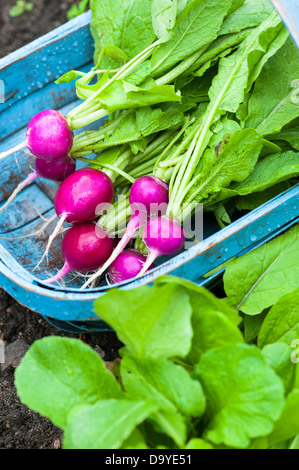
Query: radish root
[
  {"x": 14, "y": 149},
  {"x": 51, "y": 239},
  {"x": 30, "y": 178}
]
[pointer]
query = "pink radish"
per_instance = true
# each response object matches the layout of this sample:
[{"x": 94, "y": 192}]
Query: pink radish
[
  {"x": 79, "y": 199},
  {"x": 79, "y": 195},
  {"x": 48, "y": 136},
  {"x": 162, "y": 236},
  {"x": 56, "y": 170},
  {"x": 148, "y": 196},
  {"x": 126, "y": 266},
  {"x": 85, "y": 247}
]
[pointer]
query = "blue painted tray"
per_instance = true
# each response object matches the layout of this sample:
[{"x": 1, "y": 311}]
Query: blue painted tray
[{"x": 28, "y": 75}]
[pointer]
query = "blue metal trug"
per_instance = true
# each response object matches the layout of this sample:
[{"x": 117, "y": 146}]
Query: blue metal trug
[
  {"x": 70, "y": 305},
  {"x": 30, "y": 87}
]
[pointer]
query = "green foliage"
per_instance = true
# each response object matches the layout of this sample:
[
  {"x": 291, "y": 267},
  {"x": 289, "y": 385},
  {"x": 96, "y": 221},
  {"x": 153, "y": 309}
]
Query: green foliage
[
  {"x": 195, "y": 28},
  {"x": 269, "y": 116},
  {"x": 245, "y": 395},
  {"x": 77, "y": 10},
  {"x": 186, "y": 378},
  {"x": 259, "y": 279},
  {"x": 126, "y": 24},
  {"x": 20, "y": 8}
]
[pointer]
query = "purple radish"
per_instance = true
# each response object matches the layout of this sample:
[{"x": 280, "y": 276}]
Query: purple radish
[
  {"x": 83, "y": 194},
  {"x": 85, "y": 247},
  {"x": 162, "y": 236},
  {"x": 56, "y": 170},
  {"x": 48, "y": 136},
  {"x": 126, "y": 266},
  {"x": 148, "y": 196},
  {"x": 147, "y": 193},
  {"x": 80, "y": 198}
]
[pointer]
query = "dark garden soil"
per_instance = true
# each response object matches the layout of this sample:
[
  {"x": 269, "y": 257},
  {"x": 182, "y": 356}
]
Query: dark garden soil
[{"x": 21, "y": 428}]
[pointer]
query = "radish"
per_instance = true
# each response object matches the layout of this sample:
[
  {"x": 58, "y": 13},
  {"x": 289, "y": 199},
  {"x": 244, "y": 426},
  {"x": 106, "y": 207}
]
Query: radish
[
  {"x": 81, "y": 194},
  {"x": 148, "y": 196},
  {"x": 162, "y": 236},
  {"x": 57, "y": 170},
  {"x": 48, "y": 136},
  {"x": 85, "y": 247},
  {"x": 80, "y": 198},
  {"x": 126, "y": 266}
]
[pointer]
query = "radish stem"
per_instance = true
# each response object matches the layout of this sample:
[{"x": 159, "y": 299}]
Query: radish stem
[
  {"x": 63, "y": 272},
  {"x": 51, "y": 239}
]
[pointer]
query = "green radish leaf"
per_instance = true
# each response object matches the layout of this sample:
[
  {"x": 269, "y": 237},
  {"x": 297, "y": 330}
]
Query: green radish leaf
[
  {"x": 254, "y": 200},
  {"x": 58, "y": 374},
  {"x": 69, "y": 76},
  {"x": 258, "y": 279},
  {"x": 282, "y": 321},
  {"x": 83, "y": 87},
  {"x": 269, "y": 172},
  {"x": 123, "y": 95},
  {"x": 245, "y": 396},
  {"x": 142, "y": 123},
  {"x": 223, "y": 166},
  {"x": 126, "y": 24},
  {"x": 163, "y": 16},
  {"x": 105, "y": 425},
  {"x": 238, "y": 72},
  {"x": 164, "y": 383},
  {"x": 234, "y": 5},
  {"x": 278, "y": 356},
  {"x": 114, "y": 53},
  {"x": 289, "y": 133},
  {"x": 196, "y": 27},
  {"x": 248, "y": 15},
  {"x": 226, "y": 128},
  {"x": 269, "y": 116},
  {"x": 181, "y": 5},
  {"x": 141, "y": 317},
  {"x": 140, "y": 73},
  {"x": 221, "y": 47}
]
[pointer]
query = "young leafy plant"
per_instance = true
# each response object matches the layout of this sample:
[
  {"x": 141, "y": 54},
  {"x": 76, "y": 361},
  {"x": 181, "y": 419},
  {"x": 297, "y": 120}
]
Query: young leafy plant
[
  {"x": 186, "y": 378},
  {"x": 20, "y": 7},
  {"x": 77, "y": 10}
]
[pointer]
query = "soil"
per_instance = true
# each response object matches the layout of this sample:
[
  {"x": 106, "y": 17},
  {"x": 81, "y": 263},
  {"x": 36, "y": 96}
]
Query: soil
[
  {"x": 45, "y": 16},
  {"x": 21, "y": 428}
]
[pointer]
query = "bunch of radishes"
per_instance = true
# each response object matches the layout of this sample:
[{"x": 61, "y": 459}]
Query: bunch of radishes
[{"x": 87, "y": 246}]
